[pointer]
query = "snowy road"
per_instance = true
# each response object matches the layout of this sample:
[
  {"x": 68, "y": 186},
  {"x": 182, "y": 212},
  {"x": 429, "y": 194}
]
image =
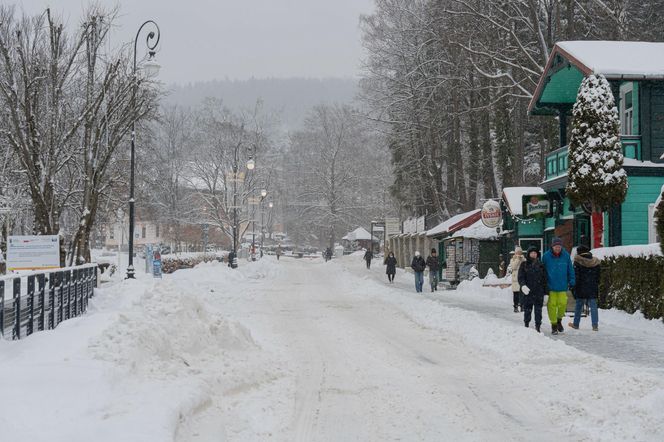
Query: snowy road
[
  {"x": 360, "y": 369},
  {"x": 353, "y": 364},
  {"x": 303, "y": 350}
]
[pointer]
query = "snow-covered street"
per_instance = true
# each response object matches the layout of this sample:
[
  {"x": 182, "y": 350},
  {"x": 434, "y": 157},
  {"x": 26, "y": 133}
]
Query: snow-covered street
[{"x": 302, "y": 350}]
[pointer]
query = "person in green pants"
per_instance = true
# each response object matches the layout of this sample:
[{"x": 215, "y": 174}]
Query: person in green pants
[{"x": 560, "y": 277}]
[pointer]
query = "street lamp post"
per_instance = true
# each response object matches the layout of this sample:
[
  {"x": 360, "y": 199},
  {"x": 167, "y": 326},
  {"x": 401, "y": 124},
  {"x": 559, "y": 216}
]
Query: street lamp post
[
  {"x": 251, "y": 164},
  {"x": 152, "y": 68},
  {"x": 263, "y": 195}
]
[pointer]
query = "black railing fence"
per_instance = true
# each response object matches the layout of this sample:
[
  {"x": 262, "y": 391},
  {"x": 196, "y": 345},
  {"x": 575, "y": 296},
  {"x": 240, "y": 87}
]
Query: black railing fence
[{"x": 40, "y": 301}]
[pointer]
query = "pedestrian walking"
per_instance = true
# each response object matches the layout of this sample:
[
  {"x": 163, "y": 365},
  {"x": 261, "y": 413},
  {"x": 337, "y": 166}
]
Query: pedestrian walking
[
  {"x": 531, "y": 278},
  {"x": 434, "y": 265},
  {"x": 368, "y": 256},
  {"x": 502, "y": 268},
  {"x": 559, "y": 278},
  {"x": 587, "y": 272},
  {"x": 418, "y": 265},
  {"x": 391, "y": 270},
  {"x": 278, "y": 252},
  {"x": 515, "y": 264}
]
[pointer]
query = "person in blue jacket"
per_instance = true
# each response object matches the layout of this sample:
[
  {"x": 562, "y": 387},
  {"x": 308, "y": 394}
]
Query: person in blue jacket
[{"x": 559, "y": 278}]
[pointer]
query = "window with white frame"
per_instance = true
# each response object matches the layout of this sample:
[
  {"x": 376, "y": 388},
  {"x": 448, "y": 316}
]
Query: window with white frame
[
  {"x": 652, "y": 225},
  {"x": 626, "y": 108}
]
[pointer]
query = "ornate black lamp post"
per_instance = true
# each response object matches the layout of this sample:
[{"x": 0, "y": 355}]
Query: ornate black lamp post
[{"x": 152, "y": 68}]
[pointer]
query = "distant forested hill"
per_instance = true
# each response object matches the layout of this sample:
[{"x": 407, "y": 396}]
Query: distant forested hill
[{"x": 292, "y": 98}]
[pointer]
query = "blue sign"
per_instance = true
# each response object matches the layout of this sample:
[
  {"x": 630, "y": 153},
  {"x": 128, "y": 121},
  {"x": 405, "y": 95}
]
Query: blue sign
[
  {"x": 156, "y": 264},
  {"x": 156, "y": 268}
]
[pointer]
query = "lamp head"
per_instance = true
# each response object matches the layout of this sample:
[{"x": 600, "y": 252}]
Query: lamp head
[{"x": 151, "y": 67}]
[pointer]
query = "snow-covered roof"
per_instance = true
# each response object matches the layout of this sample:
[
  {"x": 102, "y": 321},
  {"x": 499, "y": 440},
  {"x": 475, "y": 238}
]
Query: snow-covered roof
[
  {"x": 617, "y": 59},
  {"x": 446, "y": 225},
  {"x": 476, "y": 231},
  {"x": 513, "y": 197},
  {"x": 631, "y": 162},
  {"x": 359, "y": 234}
]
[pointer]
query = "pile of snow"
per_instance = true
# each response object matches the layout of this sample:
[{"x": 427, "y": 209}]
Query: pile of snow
[
  {"x": 635, "y": 251},
  {"x": 145, "y": 354}
]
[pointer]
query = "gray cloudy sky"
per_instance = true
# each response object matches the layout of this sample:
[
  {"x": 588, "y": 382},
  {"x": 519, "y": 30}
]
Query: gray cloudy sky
[{"x": 208, "y": 39}]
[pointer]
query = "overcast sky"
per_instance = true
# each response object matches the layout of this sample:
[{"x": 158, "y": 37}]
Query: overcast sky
[{"x": 239, "y": 39}]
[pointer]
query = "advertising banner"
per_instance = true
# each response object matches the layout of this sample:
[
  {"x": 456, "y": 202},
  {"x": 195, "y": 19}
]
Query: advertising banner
[{"x": 536, "y": 206}]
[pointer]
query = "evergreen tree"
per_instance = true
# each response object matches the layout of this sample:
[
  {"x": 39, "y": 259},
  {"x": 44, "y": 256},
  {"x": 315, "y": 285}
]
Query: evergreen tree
[{"x": 595, "y": 174}]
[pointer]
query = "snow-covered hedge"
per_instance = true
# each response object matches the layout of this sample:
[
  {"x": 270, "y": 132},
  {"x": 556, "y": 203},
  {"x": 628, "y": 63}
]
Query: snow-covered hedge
[
  {"x": 171, "y": 263},
  {"x": 633, "y": 283}
]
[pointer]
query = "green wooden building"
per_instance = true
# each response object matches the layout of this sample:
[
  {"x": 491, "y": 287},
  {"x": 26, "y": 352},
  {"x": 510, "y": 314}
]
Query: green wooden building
[{"x": 635, "y": 71}]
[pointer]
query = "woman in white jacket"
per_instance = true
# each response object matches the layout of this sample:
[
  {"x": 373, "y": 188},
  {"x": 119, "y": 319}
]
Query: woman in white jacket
[{"x": 515, "y": 263}]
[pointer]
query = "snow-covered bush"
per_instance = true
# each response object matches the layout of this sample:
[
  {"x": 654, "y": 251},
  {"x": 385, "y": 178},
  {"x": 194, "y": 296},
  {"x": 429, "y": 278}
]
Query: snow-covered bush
[
  {"x": 596, "y": 175},
  {"x": 170, "y": 264}
]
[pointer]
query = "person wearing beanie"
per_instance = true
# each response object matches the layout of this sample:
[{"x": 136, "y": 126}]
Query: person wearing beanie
[
  {"x": 587, "y": 273},
  {"x": 515, "y": 263},
  {"x": 418, "y": 265},
  {"x": 532, "y": 280},
  {"x": 433, "y": 264},
  {"x": 559, "y": 278}
]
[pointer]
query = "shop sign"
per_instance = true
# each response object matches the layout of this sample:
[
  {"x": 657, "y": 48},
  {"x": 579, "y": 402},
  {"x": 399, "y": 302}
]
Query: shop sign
[
  {"x": 491, "y": 214},
  {"x": 536, "y": 206}
]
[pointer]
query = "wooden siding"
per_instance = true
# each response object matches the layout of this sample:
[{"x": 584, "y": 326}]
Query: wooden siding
[{"x": 642, "y": 192}]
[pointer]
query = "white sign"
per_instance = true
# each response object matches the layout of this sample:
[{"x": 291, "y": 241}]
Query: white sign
[
  {"x": 392, "y": 227},
  {"x": 491, "y": 214},
  {"x": 33, "y": 252},
  {"x": 420, "y": 224},
  {"x": 410, "y": 225}
]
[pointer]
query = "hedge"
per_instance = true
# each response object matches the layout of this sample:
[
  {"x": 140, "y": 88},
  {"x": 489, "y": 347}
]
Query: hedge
[
  {"x": 170, "y": 264},
  {"x": 633, "y": 283}
]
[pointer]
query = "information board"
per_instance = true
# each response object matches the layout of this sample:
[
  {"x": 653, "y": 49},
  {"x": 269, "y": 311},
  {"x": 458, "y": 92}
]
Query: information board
[
  {"x": 392, "y": 227},
  {"x": 33, "y": 252}
]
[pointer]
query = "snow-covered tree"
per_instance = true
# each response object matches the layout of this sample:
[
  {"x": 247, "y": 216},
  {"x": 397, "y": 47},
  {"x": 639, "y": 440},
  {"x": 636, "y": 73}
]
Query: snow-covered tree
[{"x": 595, "y": 174}]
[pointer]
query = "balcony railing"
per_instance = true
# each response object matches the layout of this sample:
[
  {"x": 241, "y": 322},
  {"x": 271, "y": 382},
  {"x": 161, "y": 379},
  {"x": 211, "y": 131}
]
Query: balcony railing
[{"x": 557, "y": 162}]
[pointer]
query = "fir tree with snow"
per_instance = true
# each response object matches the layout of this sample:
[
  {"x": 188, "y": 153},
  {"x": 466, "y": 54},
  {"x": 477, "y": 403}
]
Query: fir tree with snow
[{"x": 596, "y": 176}]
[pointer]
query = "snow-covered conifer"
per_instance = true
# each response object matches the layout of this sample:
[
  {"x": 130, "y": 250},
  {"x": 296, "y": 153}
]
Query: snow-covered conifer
[{"x": 596, "y": 176}]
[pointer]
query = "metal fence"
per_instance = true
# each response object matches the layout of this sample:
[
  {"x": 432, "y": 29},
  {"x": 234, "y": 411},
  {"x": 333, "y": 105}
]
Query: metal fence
[{"x": 40, "y": 301}]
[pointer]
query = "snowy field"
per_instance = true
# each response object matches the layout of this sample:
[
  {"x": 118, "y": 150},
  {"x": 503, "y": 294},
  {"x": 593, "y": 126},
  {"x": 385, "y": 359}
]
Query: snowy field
[{"x": 302, "y": 350}]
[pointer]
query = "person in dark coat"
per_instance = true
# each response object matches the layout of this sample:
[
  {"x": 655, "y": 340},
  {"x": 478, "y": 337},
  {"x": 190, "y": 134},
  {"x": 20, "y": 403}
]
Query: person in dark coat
[
  {"x": 587, "y": 273},
  {"x": 532, "y": 279},
  {"x": 391, "y": 263},
  {"x": 418, "y": 264},
  {"x": 368, "y": 256},
  {"x": 433, "y": 264}
]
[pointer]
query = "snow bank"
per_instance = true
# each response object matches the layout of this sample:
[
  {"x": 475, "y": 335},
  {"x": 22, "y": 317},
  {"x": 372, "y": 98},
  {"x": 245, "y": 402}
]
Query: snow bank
[
  {"x": 633, "y": 251},
  {"x": 141, "y": 358}
]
